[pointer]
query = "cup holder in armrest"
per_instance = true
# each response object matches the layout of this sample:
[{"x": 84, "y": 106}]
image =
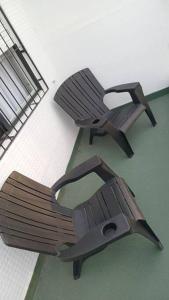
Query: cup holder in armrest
[
  {"x": 109, "y": 229},
  {"x": 95, "y": 121}
]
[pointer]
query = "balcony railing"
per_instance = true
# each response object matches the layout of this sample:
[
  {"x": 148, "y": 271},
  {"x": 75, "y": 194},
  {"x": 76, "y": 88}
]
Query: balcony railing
[{"x": 21, "y": 85}]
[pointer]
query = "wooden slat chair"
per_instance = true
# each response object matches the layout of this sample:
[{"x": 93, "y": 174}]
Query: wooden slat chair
[
  {"x": 81, "y": 96},
  {"x": 32, "y": 219}
]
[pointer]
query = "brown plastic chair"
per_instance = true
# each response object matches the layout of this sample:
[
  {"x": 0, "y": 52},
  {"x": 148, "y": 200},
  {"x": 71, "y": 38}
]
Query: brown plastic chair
[
  {"x": 81, "y": 96},
  {"x": 32, "y": 219}
]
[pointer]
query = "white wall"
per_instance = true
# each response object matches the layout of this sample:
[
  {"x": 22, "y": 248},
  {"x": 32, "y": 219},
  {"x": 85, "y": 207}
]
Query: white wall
[
  {"x": 41, "y": 151},
  {"x": 120, "y": 40}
]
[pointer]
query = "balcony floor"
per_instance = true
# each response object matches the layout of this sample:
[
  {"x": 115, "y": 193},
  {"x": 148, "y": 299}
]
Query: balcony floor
[{"x": 131, "y": 268}]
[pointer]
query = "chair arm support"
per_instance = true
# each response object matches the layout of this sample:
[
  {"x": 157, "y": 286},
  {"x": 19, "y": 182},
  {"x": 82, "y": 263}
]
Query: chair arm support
[
  {"x": 92, "y": 122},
  {"x": 94, "y": 164},
  {"x": 127, "y": 87},
  {"x": 95, "y": 122},
  {"x": 134, "y": 89},
  {"x": 97, "y": 238}
]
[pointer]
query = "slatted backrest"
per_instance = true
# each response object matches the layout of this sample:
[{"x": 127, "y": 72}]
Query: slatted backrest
[
  {"x": 27, "y": 219},
  {"x": 81, "y": 96}
]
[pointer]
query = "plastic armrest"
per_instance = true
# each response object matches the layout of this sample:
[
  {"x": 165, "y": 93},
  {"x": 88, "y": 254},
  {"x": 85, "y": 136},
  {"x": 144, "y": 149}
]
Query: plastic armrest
[
  {"x": 134, "y": 89},
  {"x": 127, "y": 87},
  {"x": 95, "y": 122},
  {"x": 94, "y": 164},
  {"x": 97, "y": 238},
  {"x": 92, "y": 122}
]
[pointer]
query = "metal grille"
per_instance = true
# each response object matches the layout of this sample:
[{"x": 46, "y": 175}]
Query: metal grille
[{"x": 21, "y": 85}]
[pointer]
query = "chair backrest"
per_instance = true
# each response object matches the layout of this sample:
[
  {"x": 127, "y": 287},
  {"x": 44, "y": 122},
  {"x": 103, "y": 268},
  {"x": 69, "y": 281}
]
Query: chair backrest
[
  {"x": 81, "y": 96},
  {"x": 27, "y": 218}
]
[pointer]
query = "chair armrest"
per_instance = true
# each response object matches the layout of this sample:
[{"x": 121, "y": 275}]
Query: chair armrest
[
  {"x": 95, "y": 122},
  {"x": 97, "y": 238},
  {"x": 92, "y": 122},
  {"x": 127, "y": 87},
  {"x": 94, "y": 164},
  {"x": 134, "y": 89}
]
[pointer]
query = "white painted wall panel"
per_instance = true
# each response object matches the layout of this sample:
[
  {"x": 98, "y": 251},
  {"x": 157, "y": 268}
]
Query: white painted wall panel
[
  {"x": 121, "y": 41},
  {"x": 41, "y": 151}
]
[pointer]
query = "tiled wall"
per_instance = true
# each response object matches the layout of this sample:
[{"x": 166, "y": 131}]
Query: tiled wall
[{"x": 41, "y": 151}]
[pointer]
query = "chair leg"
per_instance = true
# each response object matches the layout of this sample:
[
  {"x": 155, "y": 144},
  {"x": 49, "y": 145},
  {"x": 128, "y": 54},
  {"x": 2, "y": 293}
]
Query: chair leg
[
  {"x": 150, "y": 115},
  {"x": 77, "y": 267},
  {"x": 144, "y": 229},
  {"x": 131, "y": 191},
  {"x": 96, "y": 132},
  {"x": 121, "y": 139},
  {"x": 91, "y": 137}
]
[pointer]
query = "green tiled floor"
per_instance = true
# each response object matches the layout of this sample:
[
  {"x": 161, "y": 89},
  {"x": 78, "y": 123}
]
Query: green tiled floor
[{"x": 131, "y": 268}]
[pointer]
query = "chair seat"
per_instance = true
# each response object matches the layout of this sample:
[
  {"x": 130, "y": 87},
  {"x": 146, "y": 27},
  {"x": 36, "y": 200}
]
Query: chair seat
[
  {"x": 125, "y": 115},
  {"x": 110, "y": 200}
]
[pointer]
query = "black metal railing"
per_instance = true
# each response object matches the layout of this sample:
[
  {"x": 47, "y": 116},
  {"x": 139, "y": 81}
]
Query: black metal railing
[{"x": 21, "y": 85}]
